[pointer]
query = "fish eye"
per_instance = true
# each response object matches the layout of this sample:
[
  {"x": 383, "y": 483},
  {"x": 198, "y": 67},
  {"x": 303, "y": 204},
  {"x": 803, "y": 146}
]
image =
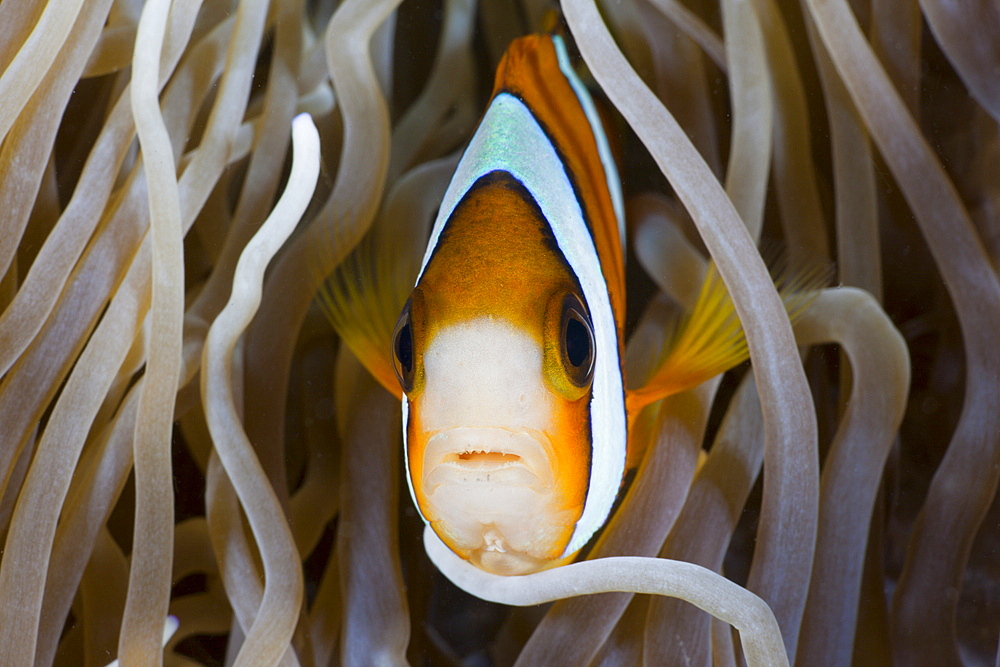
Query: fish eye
[
  {"x": 402, "y": 349},
  {"x": 577, "y": 339}
]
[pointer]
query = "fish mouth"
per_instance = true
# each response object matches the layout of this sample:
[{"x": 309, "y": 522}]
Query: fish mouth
[
  {"x": 488, "y": 455},
  {"x": 491, "y": 495},
  {"x": 484, "y": 459}
]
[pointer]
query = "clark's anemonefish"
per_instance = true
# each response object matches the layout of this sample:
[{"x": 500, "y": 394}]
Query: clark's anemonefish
[{"x": 509, "y": 351}]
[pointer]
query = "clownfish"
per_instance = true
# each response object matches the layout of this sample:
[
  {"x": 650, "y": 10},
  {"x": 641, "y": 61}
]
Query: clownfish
[{"x": 509, "y": 351}]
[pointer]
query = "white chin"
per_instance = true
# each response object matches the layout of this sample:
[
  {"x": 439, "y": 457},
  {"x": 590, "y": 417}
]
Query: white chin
[{"x": 491, "y": 494}]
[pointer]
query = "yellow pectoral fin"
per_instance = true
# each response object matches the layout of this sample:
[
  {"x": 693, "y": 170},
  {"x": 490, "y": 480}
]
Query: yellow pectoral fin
[
  {"x": 362, "y": 306},
  {"x": 365, "y": 294},
  {"x": 710, "y": 339}
]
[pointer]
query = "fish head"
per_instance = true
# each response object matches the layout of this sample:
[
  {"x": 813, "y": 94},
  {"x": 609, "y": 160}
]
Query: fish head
[{"x": 497, "y": 428}]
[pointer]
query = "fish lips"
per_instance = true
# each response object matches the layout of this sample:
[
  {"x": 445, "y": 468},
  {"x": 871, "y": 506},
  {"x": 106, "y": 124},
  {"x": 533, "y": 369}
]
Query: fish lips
[
  {"x": 476, "y": 456},
  {"x": 492, "y": 497}
]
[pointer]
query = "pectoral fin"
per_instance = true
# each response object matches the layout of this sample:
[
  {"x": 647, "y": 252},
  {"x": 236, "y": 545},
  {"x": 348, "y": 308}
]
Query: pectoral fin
[{"x": 710, "y": 339}]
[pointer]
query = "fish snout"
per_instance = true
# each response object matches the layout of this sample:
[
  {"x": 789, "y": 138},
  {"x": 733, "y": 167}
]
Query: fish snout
[{"x": 493, "y": 499}]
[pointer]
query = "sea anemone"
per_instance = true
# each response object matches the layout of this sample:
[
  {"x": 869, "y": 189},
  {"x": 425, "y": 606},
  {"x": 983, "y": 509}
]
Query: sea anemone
[{"x": 174, "y": 455}]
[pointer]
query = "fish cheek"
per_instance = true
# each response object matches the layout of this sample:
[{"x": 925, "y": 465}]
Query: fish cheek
[
  {"x": 414, "y": 316},
  {"x": 569, "y": 377},
  {"x": 571, "y": 444},
  {"x": 416, "y": 445}
]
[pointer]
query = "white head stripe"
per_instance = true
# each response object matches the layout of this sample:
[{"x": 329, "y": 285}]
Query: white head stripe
[{"x": 510, "y": 139}]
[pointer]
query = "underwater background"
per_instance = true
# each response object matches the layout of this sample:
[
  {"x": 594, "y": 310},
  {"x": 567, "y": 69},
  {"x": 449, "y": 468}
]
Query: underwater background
[{"x": 162, "y": 456}]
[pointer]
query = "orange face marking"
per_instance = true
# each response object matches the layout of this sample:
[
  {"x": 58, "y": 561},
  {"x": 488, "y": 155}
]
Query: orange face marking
[{"x": 493, "y": 258}]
